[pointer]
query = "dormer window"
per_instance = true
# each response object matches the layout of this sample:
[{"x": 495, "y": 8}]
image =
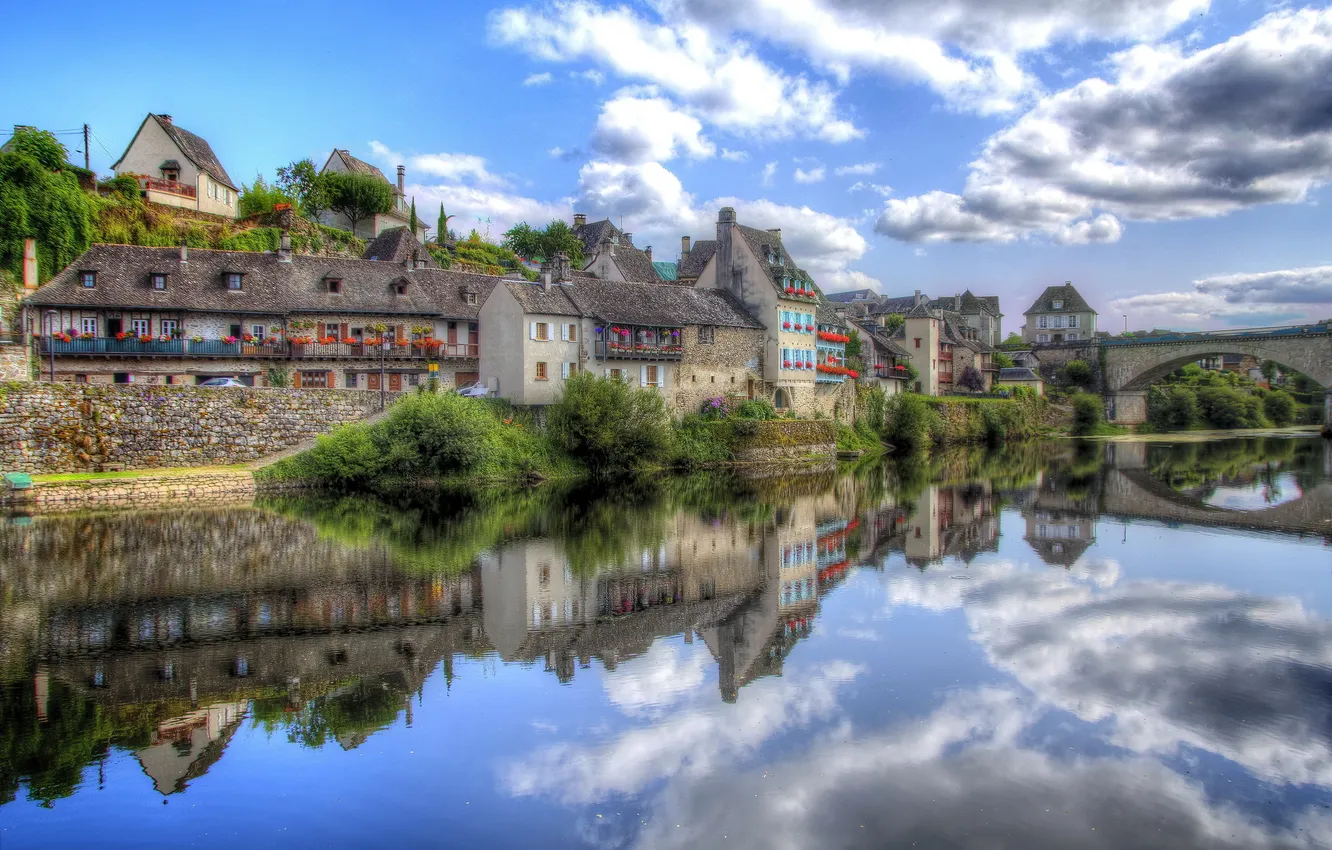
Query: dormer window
[
  {"x": 88, "y": 279},
  {"x": 1058, "y": 305},
  {"x": 400, "y": 287},
  {"x": 158, "y": 280},
  {"x": 334, "y": 285},
  {"x": 469, "y": 297},
  {"x": 234, "y": 281}
]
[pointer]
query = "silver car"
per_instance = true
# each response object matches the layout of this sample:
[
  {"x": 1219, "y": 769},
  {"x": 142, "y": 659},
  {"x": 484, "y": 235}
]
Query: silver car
[
  {"x": 221, "y": 382},
  {"x": 476, "y": 389}
]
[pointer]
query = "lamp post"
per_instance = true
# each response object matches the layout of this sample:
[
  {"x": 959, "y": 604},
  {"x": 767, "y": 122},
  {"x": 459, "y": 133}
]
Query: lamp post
[
  {"x": 50, "y": 339},
  {"x": 1126, "y": 323},
  {"x": 383, "y": 347}
]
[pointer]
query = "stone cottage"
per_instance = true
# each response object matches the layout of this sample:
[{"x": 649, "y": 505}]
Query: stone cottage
[
  {"x": 1060, "y": 314},
  {"x": 399, "y": 215}
]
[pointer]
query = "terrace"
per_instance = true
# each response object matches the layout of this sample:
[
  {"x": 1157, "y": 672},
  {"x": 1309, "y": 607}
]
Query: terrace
[
  {"x": 170, "y": 187},
  {"x": 269, "y": 349},
  {"x": 637, "y": 342}
]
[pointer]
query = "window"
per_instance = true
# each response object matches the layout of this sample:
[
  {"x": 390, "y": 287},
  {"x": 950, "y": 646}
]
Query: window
[
  {"x": 651, "y": 376},
  {"x": 88, "y": 279},
  {"x": 1057, "y": 305},
  {"x": 616, "y": 374},
  {"x": 469, "y": 297},
  {"x": 89, "y": 325},
  {"x": 706, "y": 334},
  {"x": 169, "y": 327},
  {"x": 139, "y": 327},
  {"x": 1071, "y": 337},
  {"x": 159, "y": 281},
  {"x": 234, "y": 281},
  {"x": 350, "y": 381},
  {"x": 567, "y": 369},
  {"x": 540, "y": 331},
  {"x": 1041, "y": 322},
  {"x": 1072, "y": 321},
  {"x": 1042, "y": 337},
  {"x": 541, "y": 371},
  {"x": 569, "y": 332},
  {"x": 314, "y": 379},
  {"x": 400, "y": 288},
  {"x": 335, "y": 285},
  {"x": 1057, "y": 322},
  {"x": 917, "y": 342},
  {"x": 257, "y": 331}
]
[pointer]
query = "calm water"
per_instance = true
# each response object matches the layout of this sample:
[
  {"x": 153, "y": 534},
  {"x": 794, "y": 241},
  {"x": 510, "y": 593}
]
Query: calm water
[{"x": 1052, "y": 646}]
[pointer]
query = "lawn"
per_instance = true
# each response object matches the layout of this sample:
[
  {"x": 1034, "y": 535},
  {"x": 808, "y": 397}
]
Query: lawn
[{"x": 139, "y": 473}]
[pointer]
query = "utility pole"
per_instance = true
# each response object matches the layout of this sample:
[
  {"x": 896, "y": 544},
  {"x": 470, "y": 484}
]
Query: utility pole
[{"x": 86, "y": 160}]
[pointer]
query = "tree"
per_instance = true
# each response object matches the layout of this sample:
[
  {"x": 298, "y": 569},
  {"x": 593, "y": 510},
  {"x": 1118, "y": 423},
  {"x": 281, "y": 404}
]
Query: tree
[
  {"x": 608, "y": 424},
  {"x": 442, "y": 232},
  {"x": 1088, "y": 413},
  {"x": 1013, "y": 340},
  {"x": 301, "y": 181},
  {"x": 40, "y": 199},
  {"x": 1003, "y": 361},
  {"x": 1078, "y": 372},
  {"x": 412, "y": 220},
  {"x": 892, "y": 322},
  {"x": 530, "y": 242},
  {"x": 971, "y": 379},
  {"x": 260, "y": 197},
  {"x": 1269, "y": 370},
  {"x": 1280, "y": 408},
  {"x": 358, "y": 196}
]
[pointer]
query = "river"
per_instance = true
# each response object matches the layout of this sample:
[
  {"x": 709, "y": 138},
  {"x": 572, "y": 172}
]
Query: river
[{"x": 1063, "y": 645}]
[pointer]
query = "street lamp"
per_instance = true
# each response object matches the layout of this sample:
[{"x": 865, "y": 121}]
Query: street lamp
[
  {"x": 383, "y": 348},
  {"x": 50, "y": 339},
  {"x": 1126, "y": 323}
]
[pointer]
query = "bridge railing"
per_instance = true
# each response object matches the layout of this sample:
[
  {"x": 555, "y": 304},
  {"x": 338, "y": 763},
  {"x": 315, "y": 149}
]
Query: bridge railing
[{"x": 1237, "y": 333}]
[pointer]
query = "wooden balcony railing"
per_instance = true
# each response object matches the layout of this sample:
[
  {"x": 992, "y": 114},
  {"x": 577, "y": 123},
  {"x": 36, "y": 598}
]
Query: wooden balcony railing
[
  {"x": 171, "y": 187},
  {"x": 604, "y": 350},
  {"x": 180, "y": 347}
]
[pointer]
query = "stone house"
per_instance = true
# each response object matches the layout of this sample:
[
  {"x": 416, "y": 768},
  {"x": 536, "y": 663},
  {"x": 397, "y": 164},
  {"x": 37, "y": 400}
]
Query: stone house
[
  {"x": 400, "y": 215},
  {"x": 139, "y": 314},
  {"x": 980, "y": 313},
  {"x": 688, "y": 344},
  {"x": 1020, "y": 376},
  {"x": 885, "y": 359},
  {"x": 756, "y": 269},
  {"x": 1060, "y": 314},
  {"x": 178, "y": 168},
  {"x": 942, "y": 346},
  {"x": 609, "y": 253}
]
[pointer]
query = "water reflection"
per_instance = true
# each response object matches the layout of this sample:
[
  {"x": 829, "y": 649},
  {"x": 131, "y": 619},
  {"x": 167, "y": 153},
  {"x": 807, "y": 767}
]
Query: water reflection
[{"x": 1116, "y": 681}]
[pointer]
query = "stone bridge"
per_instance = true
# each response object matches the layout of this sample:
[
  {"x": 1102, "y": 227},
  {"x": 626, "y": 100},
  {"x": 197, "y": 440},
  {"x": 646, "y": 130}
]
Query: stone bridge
[{"x": 1130, "y": 366}]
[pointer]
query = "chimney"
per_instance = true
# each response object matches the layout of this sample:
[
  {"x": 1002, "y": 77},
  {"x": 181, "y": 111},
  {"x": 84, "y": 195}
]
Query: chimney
[
  {"x": 648, "y": 251},
  {"x": 775, "y": 231},
  {"x": 402, "y": 179},
  {"x": 29, "y": 266},
  {"x": 628, "y": 238},
  {"x": 184, "y": 254},
  {"x": 545, "y": 282},
  {"x": 957, "y": 302},
  {"x": 684, "y": 249},
  {"x": 579, "y": 219},
  {"x": 284, "y": 248},
  {"x": 563, "y": 272},
  {"x": 727, "y": 215},
  {"x": 164, "y": 117},
  {"x": 917, "y": 301}
]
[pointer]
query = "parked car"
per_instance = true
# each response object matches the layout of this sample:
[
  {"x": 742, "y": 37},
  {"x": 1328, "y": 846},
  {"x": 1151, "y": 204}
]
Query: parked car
[
  {"x": 476, "y": 389},
  {"x": 221, "y": 382}
]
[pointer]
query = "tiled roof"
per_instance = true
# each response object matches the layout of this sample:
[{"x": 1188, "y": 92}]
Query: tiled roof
[
  {"x": 991, "y": 301},
  {"x": 632, "y": 262},
  {"x": 920, "y": 311},
  {"x": 268, "y": 286},
  {"x": 825, "y": 315},
  {"x": 1073, "y": 301},
  {"x": 900, "y": 305},
  {"x": 698, "y": 257},
  {"x": 195, "y": 148},
  {"x": 883, "y": 339},
  {"x": 1017, "y": 373},
  {"x": 397, "y": 245},
  {"x": 666, "y": 270},
  {"x": 759, "y": 241},
  {"x": 535, "y": 298},
  {"x": 659, "y": 304},
  {"x": 360, "y": 166},
  {"x": 851, "y": 295}
]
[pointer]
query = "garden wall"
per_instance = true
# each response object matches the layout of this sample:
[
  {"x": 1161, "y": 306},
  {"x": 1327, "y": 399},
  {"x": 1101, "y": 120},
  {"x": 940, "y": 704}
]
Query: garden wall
[{"x": 86, "y": 428}]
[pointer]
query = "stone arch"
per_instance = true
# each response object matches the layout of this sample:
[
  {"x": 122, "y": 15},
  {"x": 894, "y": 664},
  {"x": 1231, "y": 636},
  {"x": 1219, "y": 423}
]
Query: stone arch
[
  {"x": 1134, "y": 368},
  {"x": 781, "y": 399}
]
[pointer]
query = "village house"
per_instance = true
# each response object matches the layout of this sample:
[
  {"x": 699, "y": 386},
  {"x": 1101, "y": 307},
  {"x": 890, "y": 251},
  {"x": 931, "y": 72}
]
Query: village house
[
  {"x": 886, "y": 361},
  {"x": 688, "y": 344},
  {"x": 1060, "y": 314},
  {"x": 399, "y": 215},
  {"x": 179, "y": 169},
  {"x": 123, "y": 313},
  {"x": 942, "y": 347},
  {"x": 609, "y": 253}
]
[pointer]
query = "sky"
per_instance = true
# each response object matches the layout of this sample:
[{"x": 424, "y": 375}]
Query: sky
[{"x": 1169, "y": 157}]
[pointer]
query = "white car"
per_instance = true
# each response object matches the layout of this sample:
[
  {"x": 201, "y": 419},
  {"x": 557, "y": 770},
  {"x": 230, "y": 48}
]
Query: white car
[
  {"x": 221, "y": 382},
  {"x": 476, "y": 389}
]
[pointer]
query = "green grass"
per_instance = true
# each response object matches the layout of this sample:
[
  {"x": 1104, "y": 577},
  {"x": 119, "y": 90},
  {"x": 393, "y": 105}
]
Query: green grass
[{"x": 138, "y": 473}]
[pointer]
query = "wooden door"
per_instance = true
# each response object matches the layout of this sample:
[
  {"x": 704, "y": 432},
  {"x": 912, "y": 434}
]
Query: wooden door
[
  {"x": 372, "y": 381},
  {"x": 395, "y": 382},
  {"x": 462, "y": 379},
  {"x": 453, "y": 334}
]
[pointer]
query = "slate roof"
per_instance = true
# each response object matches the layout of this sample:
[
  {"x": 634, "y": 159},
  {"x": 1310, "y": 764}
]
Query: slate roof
[
  {"x": 1073, "y": 301},
  {"x": 359, "y": 166},
  {"x": 920, "y": 311},
  {"x": 660, "y": 304},
  {"x": 900, "y": 304},
  {"x": 269, "y": 287},
  {"x": 758, "y": 240},
  {"x": 991, "y": 301},
  {"x": 825, "y": 315},
  {"x": 882, "y": 338},
  {"x": 666, "y": 270},
  {"x": 195, "y": 148},
  {"x": 851, "y": 295},
  {"x": 397, "y": 245},
  {"x": 536, "y": 299},
  {"x": 1017, "y": 373},
  {"x": 632, "y": 262},
  {"x": 699, "y": 255}
]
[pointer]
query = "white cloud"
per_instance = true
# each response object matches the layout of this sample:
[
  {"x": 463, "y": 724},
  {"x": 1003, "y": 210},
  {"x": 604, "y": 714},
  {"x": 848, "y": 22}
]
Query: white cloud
[
  {"x": 769, "y": 171},
  {"x": 721, "y": 80},
  {"x": 813, "y": 175},
  {"x": 449, "y": 166},
  {"x": 1172, "y": 135},
  {"x": 591, "y": 75},
  {"x": 863, "y": 186},
  {"x": 734, "y": 156},
  {"x": 639, "y": 129},
  {"x": 538, "y": 79},
  {"x": 473, "y": 206},
  {"x": 556, "y": 152},
  {"x": 1235, "y": 299},
  {"x": 662, "y": 677},
  {"x": 862, "y": 169}
]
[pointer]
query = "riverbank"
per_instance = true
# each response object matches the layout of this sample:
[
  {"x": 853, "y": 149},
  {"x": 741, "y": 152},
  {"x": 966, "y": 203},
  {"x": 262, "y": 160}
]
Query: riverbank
[
  {"x": 195, "y": 487},
  {"x": 1171, "y": 437}
]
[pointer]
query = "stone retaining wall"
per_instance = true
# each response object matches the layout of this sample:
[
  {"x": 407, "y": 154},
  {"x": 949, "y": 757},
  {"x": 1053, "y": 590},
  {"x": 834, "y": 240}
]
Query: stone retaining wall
[
  {"x": 200, "y": 490},
  {"x": 82, "y": 428},
  {"x": 781, "y": 439}
]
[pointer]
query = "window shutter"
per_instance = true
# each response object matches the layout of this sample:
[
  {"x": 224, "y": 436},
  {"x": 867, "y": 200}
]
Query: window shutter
[
  {"x": 564, "y": 371},
  {"x": 331, "y": 380},
  {"x": 564, "y": 332},
  {"x": 661, "y": 376},
  {"x": 642, "y": 376},
  {"x": 322, "y": 330},
  {"x": 532, "y": 330},
  {"x": 345, "y": 331},
  {"x": 296, "y": 380}
]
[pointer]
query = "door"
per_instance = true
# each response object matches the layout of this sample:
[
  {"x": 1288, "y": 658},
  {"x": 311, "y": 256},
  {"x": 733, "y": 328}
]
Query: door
[
  {"x": 113, "y": 327},
  {"x": 394, "y": 382},
  {"x": 462, "y": 379},
  {"x": 372, "y": 381}
]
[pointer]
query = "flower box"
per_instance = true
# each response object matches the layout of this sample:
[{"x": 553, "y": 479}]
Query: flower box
[{"x": 786, "y": 326}]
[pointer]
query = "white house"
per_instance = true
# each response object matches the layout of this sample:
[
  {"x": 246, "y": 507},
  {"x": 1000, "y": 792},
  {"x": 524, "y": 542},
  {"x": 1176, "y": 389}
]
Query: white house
[{"x": 177, "y": 168}]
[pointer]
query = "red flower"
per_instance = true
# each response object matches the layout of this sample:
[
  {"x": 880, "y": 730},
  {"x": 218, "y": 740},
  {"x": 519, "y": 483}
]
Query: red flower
[
  {"x": 852, "y": 373},
  {"x": 786, "y": 364},
  {"x": 349, "y": 340},
  {"x": 786, "y": 326}
]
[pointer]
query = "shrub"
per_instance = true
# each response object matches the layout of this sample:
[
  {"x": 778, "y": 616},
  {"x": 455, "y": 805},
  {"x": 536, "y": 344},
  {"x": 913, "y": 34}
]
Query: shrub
[
  {"x": 1078, "y": 373},
  {"x": 346, "y": 456},
  {"x": 1280, "y": 408},
  {"x": 909, "y": 421},
  {"x": 1224, "y": 407},
  {"x": 1087, "y": 413},
  {"x": 700, "y": 443},
  {"x": 755, "y": 408},
  {"x": 715, "y": 408},
  {"x": 971, "y": 379},
  {"x": 608, "y": 424},
  {"x": 435, "y": 435},
  {"x": 261, "y": 197},
  {"x": 874, "y": 402},
  {"x": 1173, "y": 409}
]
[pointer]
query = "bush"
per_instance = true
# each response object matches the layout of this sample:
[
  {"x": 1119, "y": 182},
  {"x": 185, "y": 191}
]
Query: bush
[
  {"x": 1088, "y": 413},
  {"x": 700, "y": 443},
  {"x": 1224, "y": 407},
  {"x": 909, "y": 421},
  {"x": 435, "y": 435},
  {"x": 346, "y": 456},
  {"x": 875, "y": 403},
  {"x": 1078, "y": 373},
  {"x": 1173, "y": 409},
  {"x": 608, "y": 424},
  {"x": 755, "y": 408},
  {"x": 1280, "y": 408}
]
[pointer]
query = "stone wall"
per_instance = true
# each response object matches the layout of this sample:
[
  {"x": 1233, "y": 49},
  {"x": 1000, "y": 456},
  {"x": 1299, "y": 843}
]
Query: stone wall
[
  {"x": 203, "y": 490},
  {"x": 15, "y": 362},
  {"x": 1055, "y": 357},
  {"x": 784, "y": 439},
  {"x": 85, "y": 428},
  {"x": 724, "y": 368}
]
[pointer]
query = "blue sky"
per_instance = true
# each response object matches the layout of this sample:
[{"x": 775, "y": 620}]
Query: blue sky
[{"x": 1168, "y": 156}]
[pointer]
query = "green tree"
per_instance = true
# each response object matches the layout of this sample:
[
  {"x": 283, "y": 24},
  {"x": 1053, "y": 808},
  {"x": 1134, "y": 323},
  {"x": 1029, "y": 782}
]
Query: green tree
[
  {"x": 412, "y": 221},
  {"x": 1013, "y": 340},
  {"x": 40, "y": 198},
  {"x": 1088, "y": 413},
  {"x": 909, "y": 421},
  {"x": 1002, "y": 360},
  {"x": 1078, "y": 373},
  {"x": 358, "y": 196},
  {"x": 530, "y": 242},
  {"x": 1279, "y": 407},
  {"x": 301, "y": 181},
  {"x": 260, "y": 197},
  {"x": 608, "y": 424},
  {"x": 1268, "y": 369},
  {"x": 442, "y": 231},
  {"x": 892, "y": 322},
  {"x": 971, "y": 379}
]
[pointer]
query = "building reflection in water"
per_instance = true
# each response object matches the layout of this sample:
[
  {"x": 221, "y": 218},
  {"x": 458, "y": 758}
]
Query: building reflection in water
[{"x": 170, "y": 630}]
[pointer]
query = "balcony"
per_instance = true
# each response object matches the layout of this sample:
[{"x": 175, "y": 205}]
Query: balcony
[
  {"x": 898, "y": 372},
  {"x": 280, "y": 350},
  {"x": 634, "y": 342},
  {"x": 170, "y": 187}
]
